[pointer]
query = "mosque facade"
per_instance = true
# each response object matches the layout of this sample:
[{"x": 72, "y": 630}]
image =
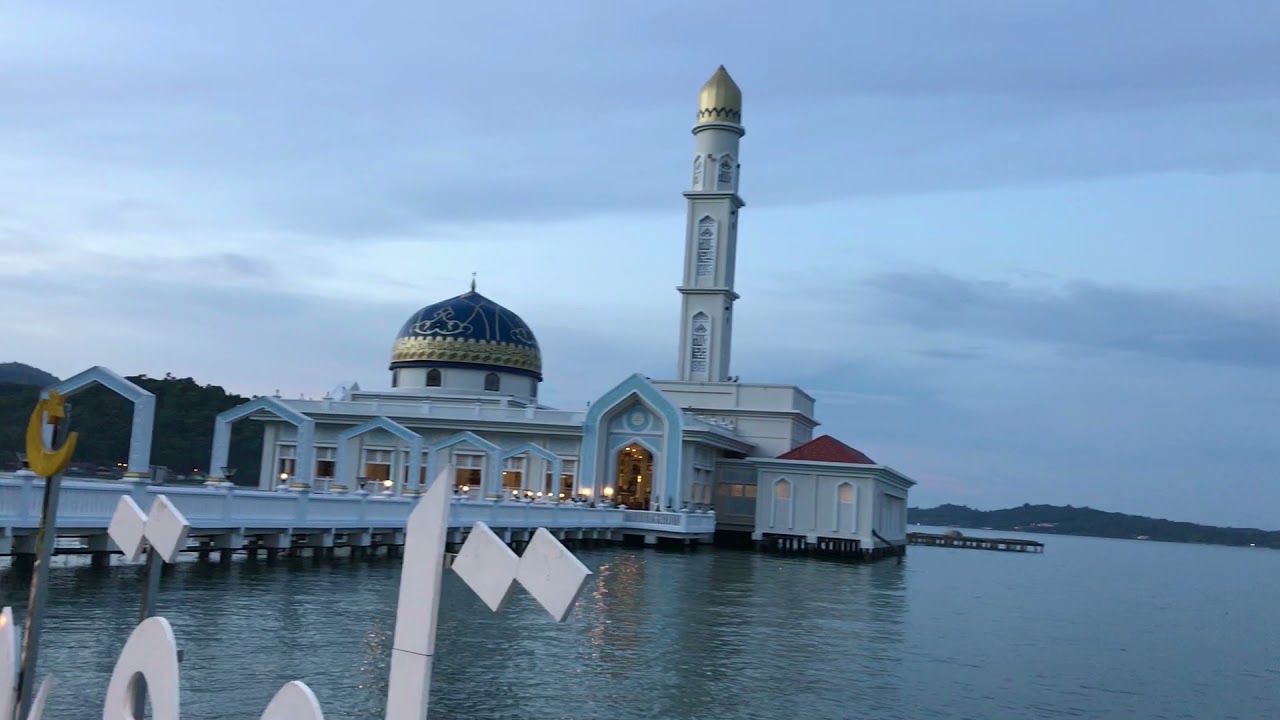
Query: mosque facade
[{"x": 463, "y": 392}]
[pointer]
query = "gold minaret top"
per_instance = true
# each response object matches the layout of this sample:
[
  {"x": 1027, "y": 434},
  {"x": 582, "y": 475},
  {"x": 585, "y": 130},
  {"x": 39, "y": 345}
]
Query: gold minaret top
[{"x": 720, "y": 99}]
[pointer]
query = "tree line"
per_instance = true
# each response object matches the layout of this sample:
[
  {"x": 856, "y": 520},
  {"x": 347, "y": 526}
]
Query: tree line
[
  {"x": 183, "y": 437},
  {"x": 1070, "y": 520}
]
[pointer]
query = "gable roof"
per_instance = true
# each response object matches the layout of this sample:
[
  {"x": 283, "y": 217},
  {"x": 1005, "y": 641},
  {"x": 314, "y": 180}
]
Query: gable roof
[{"x": 827, "y": 449}]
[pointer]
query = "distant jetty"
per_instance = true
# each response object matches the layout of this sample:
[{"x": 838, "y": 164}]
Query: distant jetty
[{"x": 956, "y": 539}]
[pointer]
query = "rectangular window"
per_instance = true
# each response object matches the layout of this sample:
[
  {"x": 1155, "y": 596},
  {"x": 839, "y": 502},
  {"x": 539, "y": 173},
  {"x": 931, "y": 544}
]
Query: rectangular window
[
  {"x": 469, "y": 469},
  {"x": 513, "y": 473},
  {"x": 568, "y": 470},
  {"x": 377, "y": 465},
  {"x": 286, "y": 465},
  {"x": 326, "y": 461}
]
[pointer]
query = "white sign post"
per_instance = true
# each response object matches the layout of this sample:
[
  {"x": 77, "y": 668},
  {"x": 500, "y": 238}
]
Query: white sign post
[
  {"x": 547, "y": 570},
  {"x": 164, "y": 532}
]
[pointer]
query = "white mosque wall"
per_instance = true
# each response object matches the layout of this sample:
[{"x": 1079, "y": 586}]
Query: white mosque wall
[
  {"x": 472, "y": 380},
  {"x": 774, "y": 418},
  {"x": 734, "y": 495},
  {"x": 698, "y": 464},
  {"x": 737, "y": 396},
  {"x": 380, "y": 448},
  {"x": 828, "y": 500}
]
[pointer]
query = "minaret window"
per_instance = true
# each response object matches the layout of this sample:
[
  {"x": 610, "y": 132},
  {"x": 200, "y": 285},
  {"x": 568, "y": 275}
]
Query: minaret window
[
  {"x": 706, "y": 258},
  {"x": 434, "y": 378},
  {"x": 697, "y": 173},
  {"x": 699, "y": 343},
  {"x": 492, "y": 382},
  {"x": 724, "y": 172}
]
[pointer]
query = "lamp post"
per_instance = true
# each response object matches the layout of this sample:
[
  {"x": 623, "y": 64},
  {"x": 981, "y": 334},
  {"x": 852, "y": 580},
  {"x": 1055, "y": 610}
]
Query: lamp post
[{"x": 48, "y": 463}]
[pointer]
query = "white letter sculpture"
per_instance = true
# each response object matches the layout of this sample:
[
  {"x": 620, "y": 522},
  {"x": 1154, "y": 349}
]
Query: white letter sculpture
[
  {"x": 547, "y": 570},
  {"x": 165, "y": 528},
  {"x": 551, "y": 574}
]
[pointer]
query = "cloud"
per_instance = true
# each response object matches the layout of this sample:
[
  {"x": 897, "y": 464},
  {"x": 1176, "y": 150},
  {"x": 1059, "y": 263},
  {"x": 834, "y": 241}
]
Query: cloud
[
  {"x": 1194, "y": 327},
  {"x": 258, "y": 195},
  {"x": 323, "y": 133}
]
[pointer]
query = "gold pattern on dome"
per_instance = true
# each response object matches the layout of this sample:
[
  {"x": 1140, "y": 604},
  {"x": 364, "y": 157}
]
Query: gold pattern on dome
[
  {"x": 442, "y": 323},
  {"x": 466, "y": 350}
]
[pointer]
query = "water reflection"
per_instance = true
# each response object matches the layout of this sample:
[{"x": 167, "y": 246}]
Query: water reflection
[{"x": 715, "y": 635}]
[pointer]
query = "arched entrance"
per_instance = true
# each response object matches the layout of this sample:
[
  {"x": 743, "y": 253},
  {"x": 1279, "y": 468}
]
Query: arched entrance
[{"x": 633, "y": 477}]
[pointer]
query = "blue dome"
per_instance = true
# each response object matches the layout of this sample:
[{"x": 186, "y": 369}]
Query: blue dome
[{"x": 469, "y": 330}]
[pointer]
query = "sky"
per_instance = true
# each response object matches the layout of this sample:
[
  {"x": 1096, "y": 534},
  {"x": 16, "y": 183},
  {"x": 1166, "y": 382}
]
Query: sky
[{"x": 1021, "y": 252}]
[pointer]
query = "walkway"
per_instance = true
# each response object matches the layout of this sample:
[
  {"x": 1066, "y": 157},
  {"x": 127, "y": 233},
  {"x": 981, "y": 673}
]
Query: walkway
[{"x": 229, "y": 517}]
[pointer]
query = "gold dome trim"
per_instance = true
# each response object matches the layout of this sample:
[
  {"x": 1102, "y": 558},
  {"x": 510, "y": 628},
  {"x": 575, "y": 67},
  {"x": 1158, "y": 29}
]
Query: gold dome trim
[
  {"x": 468, "y": 351},
  {"x": 720, "y": 99}
]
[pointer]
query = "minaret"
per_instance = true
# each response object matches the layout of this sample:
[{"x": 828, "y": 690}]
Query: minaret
[{"x": 711, "y": 235}]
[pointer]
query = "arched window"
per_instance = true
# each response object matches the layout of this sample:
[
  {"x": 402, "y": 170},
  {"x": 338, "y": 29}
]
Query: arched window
[
  {"x": 492, "y": 382},
  {"x": 699, "y": 343},
  {"x": 434, "y": 378},
  {"x": 706, "y": 258},
  {"x": 844, "y": 520},
  {"x": 781, "y": 515},
  {"x": 697, "y": 173}
]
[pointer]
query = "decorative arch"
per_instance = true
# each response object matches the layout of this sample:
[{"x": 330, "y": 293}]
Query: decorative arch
[
  {"x": 700, "y": 345},
  {"x": 344, "y": 471},
  {"x": 644, "y": 442},
  {"x": 492, "y": 382},
  {"x": 708, "y": 237},
  {"x": 435, "y": 378},
  {"x": 697, "y": 172},
  {"x": 782, "y": 503},
  {"x": 466, "y": 436},
  {"x": 557, "y": 464},
  {"x": 726, "y": 169},
  {"x": 305, "y": 457},
  {"x": 595, "y": 454},
  {"x": 144, "y": 411}
]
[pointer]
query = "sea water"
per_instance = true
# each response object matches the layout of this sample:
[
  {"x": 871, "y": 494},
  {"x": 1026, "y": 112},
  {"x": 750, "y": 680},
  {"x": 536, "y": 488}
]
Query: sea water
[{"x": 1092, "y": 628}]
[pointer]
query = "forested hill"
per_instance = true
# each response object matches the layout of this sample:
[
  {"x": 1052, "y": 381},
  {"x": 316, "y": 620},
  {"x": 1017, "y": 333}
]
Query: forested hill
[
  {"x": 22, "y": 374},
  {"x": 1087, "y": 521},
  {"x": 183, "y": 433}
]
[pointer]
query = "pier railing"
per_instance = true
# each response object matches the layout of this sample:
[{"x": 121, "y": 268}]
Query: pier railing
[
  {"x": 679, "y": 522},
  {"x": 87, "y": 506}
]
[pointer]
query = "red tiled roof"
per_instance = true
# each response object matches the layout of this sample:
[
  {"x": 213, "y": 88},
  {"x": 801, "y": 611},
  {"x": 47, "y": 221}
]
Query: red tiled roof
[{"x": 827, "y": 449}]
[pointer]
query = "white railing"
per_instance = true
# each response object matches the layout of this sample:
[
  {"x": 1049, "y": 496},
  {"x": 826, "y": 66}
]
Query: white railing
[
  {"x": 440, "y": 410},
  {"x": 696, "y": 523},
  {"x": 86, "y": 507}
]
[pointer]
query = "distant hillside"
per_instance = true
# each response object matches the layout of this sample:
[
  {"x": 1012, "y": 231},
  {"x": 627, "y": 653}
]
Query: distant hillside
[
  {"x": 22, "y": 374},
  {"x": 183, "y": 433},
  {"x": 1087, "y": 521}
]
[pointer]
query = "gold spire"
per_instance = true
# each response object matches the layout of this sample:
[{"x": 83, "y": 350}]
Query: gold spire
[{"x": 720, "y": 99}]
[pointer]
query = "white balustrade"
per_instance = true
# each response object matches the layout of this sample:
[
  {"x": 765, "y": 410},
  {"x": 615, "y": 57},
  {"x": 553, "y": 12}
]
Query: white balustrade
[{"x": 86, "y": 506}]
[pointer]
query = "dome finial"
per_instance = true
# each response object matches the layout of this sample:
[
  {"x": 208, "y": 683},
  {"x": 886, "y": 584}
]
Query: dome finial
[
  {"x": 473, "y": 282},
  {"x": 720, "y": 99}
]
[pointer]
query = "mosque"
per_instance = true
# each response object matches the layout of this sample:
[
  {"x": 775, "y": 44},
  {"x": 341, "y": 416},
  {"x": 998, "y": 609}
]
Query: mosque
[{"x": 464, "y": 384}]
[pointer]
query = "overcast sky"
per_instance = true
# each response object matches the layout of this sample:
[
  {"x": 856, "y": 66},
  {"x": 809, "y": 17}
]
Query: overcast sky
[{"x": 1023, "y": 252}]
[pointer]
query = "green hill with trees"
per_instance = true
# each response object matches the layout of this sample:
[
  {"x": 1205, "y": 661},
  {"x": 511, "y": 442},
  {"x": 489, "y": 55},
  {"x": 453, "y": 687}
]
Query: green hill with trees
[
  {"x": 1068, "y": 520},
  {"x": 183, "y": 438}
]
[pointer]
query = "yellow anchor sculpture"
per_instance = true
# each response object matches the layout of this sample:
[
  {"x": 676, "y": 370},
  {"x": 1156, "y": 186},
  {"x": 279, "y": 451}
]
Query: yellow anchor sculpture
[{"x": 43, "y": 460}]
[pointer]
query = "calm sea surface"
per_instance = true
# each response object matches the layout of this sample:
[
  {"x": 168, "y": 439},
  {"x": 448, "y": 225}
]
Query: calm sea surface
[{"x": 1090, "y": 629}]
